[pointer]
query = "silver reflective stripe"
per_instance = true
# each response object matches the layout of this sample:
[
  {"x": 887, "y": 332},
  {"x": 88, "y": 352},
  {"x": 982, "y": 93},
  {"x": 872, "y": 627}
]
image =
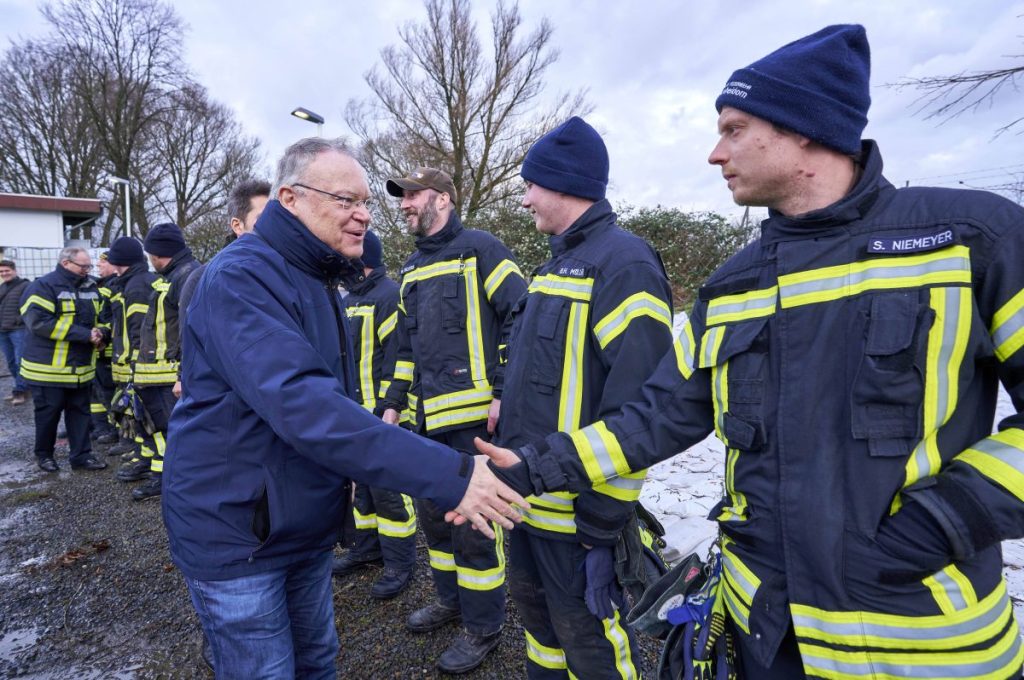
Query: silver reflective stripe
[
  {"x": 736, "y": 608},
  {"x": 600, "y": 452},
  {"x": 611, "y": 327},
  {"x": 551, "y": 499},
  {"x": 1006, "y": 330},
  {"x": 1002, "y": 451},
  {"x": 543, "y": 520},
  {"x": 571, "y": 397},
  {"x": 570, "y": 287},
  {"x": 712, "y": 342},
  {"x": 952, "y": 590},
  {"x": 737, "y": 578},
  {"x": 627, "y": 483},
  {"x": 749, "y": 305}
]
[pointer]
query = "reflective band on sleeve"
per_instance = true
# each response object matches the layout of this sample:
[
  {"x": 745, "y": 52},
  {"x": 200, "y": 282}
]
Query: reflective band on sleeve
[
  {"x": 404, "y": 371},
  {"x": 600, "y": 453},
  {"x": 635, "y": 306},
  {"x": 683, "y": 347},
  {"x": 40, "y": 301},
  {"x": 1000, "y": 457},
  {"x": 498, "y": 276},
  {"x": 387, "y": 326},
  {"x": 137, "y": 308},
  {"x": 1008, "y": 327},
  {"x": 626, "y": 487},
  {"x": 742, "y": 306}
]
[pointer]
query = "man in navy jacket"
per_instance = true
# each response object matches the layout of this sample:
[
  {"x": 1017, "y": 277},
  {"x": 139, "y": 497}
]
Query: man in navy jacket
[{"x": 266, "y": 437}]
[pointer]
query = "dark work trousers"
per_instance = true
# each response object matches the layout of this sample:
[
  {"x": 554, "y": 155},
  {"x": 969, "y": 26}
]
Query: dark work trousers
[
  {"x": 468, "y": 568},
  {"x": 73, "y": 402},
  {"x": 159, "y": 401},
  {"x": 102, "y": 391},
  {"x": 786, "y": 664},
  {"x": 385, "y": 525},
  {"x": 547, "y": 582}
]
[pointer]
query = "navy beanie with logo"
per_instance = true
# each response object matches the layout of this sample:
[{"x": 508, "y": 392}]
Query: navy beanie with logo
[
  {"x": 373, "y": 251},
  {"x": 165, "y": 240},
  {"x": 571, "y": 159},
  {"x": 125, "y": 251},
  {"x": 817, "y": 86}
]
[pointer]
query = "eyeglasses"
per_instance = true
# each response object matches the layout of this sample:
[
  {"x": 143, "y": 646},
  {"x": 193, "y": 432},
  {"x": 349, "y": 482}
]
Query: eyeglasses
[
  {"x": 86, "y": 267},
  {"x": 346, "y": 202}
]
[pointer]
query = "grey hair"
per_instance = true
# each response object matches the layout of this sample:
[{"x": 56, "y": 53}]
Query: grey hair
[
  {"x": 240, "y": 198},
  {"x": 69, "y": 253},
  {"x": 298, "y": 156}
]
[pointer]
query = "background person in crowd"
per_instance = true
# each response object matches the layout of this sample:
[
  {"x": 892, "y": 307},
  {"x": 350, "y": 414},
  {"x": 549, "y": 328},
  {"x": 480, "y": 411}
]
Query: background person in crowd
[
  {"x": 594, "y": 325},
  {"x": 12, "y": 328},
  {"x": 267, "y": 403},
  {"x": 59, "y": 361},
  {"x": 156, "y": 369},
  {"x": 849, "y": 359},
  {"x": 103, "y": 432},
  {"x": 457, "y": 290},
  {"x": 385, "y": 522}
]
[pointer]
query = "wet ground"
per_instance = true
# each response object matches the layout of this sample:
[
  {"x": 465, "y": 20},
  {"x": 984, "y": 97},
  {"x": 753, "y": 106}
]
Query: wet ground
[{"x": 89, "y": 590}]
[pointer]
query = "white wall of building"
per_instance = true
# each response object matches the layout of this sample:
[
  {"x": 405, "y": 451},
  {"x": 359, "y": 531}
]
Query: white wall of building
[{"x": 31, "y": 229}]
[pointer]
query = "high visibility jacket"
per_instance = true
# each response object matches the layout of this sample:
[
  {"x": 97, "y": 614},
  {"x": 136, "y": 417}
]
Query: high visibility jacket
[
  {"x": 372, "y": 310},
  {"x": 456, "y": 291},
  {"x": 849, "y": 360},
  {"x": 129, "y": 303},
  {"x": 597, "y": 319},
  {"x": 104, "y": 317},
  {"x": 59, "y": 310},
  {"x": 160, "y": 338}
]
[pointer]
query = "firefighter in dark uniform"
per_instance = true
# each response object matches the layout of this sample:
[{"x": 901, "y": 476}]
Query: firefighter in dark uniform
[
  {"x": 456, "y": 292},
  {"x": 385, "y": 521},
  {"x": 849, "y": 359},
  {"x": 597, "y": 319},
  {"x": 156, "y": 369},
  {"x": 129, "y": 303},
  {"x": 103, "y": 432},
  {"x": 59, "y": 359}
]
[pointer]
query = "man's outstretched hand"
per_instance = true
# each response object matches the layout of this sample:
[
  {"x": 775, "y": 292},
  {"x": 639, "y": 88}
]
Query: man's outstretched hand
[
  {"x": 487, "y": 498},
  {"x": 499, "y": 456}
]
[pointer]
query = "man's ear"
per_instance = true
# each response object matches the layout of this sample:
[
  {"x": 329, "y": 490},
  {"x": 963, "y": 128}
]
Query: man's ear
[
  {"x": 286, "y": 195},
  {"x": 237, "y": 226}
]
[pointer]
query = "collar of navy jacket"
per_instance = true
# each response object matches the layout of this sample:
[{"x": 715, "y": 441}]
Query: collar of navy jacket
[
  {"x": 287, "y": 235},
  {"x": 594, "y": 219}
]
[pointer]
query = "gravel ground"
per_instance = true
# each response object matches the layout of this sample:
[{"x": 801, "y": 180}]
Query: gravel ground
[{"x": 90, "y": 591}]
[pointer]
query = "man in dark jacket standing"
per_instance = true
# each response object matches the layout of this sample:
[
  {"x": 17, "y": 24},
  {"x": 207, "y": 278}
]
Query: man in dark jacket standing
[
  {"x": 156, "y": 370},
  {"x": 12, "y": 328},
  {"x": 103, "y": 385},
  {"x": 849, "y": 359},
  {"x": 59, "y": 362},
  {"x": 266, "y": 436},
  {"x": 457, "y": 290},
  {"x": 597, "y": 319}
]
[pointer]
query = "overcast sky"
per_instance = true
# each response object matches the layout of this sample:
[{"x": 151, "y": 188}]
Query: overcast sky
[{"x": 652, "y": 69}]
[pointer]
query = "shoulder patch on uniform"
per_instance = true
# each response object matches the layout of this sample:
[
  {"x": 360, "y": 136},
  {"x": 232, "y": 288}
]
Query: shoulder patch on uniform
[{"x": 912, "y": 243}]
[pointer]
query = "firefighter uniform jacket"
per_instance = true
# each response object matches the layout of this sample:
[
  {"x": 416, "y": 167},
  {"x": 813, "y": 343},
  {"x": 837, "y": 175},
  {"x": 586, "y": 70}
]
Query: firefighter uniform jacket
[
  {"x": 59, "y": 310},
  {"x": 104, "y": 318},
  {"x": 160, "y": 337},
  {"x": 456, "y": 291},
  {"x": 597, "y": 319},
  {"x": 849, "y": 360},
  {"x": 372, "y": 310},
  {"x": 129, "y": 303}
]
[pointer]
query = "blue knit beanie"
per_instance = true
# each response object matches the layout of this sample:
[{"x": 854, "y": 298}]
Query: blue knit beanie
[
  {"x": 373, "y": 251},
  {"x": 571, "y": 159},
  {"x": 165, "y": 240},
  {"x": 817, "y": 86},
  {"x": 125, "y": 251}
]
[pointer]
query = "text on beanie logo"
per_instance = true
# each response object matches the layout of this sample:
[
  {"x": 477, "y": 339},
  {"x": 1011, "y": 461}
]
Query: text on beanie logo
[{"x": 737, "y": 88}]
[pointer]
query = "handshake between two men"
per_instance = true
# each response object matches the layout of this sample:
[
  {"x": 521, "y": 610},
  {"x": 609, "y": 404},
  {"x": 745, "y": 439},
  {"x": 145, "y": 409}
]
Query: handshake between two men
[{"x": 487, "y": 497}]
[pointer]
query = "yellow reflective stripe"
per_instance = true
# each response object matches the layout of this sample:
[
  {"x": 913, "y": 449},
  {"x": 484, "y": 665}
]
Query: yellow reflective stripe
[
  {"x": 616, "y": 635},
  {"x": 384, "y": 385},
  {"x": 368, "y": 521},
  {"x": 394, "y": 528},
  {"x": 1008, "y": 327},
  {"x": 156, "y": 373},
  {"x": 1000, "y": 457},
  {"x": 122, "y": 372},
  {"x": 442, "y": 561},
  {"x": 560, "y": 522},
  {"x": 742, "y": 306},
  {"x": 737, "y": 512},
  {"x": 947, "y": 345},
  {"x": 684, "y": 346},
  {"x": 157, "y": 464},
  {"x": 436, "y": 269},
  {"x": 544, "y": 656},
  {"x": 600, "y": 453},
  {"x": 366, "y": 349},
  {"x": 73, "y": 375},
  {"x": 450, "y": 400},
  {"x": 739, "y": 575},
  {"x": 95, "y": 407},
  {"x": 563, "y": 286},
  {"x": 947, "y": 266},
  {"x": 1000, "y": 660},
  {"x": 137, "y": 308},
  {"x": 64, "y": 321},
  {"x": 493, "y": 282},
  {"x": 570, "y": 398},
  {"x": 470, "y": 414},
  {"x": 474, "y": 327},
  {"x": 387, "y": 326},
  {"x": 939, "y": 632},
  {"x": 635, "y": 306},
  {"x": 625, "y": 487},
  {"x": 559, "y": 500},
  {"x": 951, "y": 589},
  {"x": 409, "y": 414},
  {"x": 404, "y": 370},
  {"x": 160, "y": 328},
  {"x": 485, "y": 579},
  {"x": 710, "y": 344},
  {"x": 37, "y": 300}
]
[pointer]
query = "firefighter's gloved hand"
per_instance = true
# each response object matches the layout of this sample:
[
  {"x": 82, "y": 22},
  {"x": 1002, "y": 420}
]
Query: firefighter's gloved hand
[
  {"x": 915, "y": 537},
  {"x": 603, "y": 594}
]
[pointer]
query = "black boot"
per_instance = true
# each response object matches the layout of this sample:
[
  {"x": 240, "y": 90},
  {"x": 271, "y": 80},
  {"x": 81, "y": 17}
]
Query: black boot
[
  {"x": 133, "y": 470},
  {"x": 434, "y": 615},
  {"x": 123, "y": 446},
  {"x": 350, "y": 563},
  {"x": 467, "y": 651},
  {"x": 151, "y": 489},
  {"x": 391, "y": 583}
]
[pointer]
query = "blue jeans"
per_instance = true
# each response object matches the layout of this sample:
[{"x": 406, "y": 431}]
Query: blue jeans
[
  {"x": 11, "y": 342},
  {"x": 278, "y": 624}
]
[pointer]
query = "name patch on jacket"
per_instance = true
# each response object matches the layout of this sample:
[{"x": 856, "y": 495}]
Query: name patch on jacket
[
  {"x": 911, "y": 244},
  {"x": 573, "y": 271}
]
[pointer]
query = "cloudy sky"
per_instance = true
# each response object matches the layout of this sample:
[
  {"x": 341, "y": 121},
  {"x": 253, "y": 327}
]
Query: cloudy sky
[{"x": 652, "y": 70}]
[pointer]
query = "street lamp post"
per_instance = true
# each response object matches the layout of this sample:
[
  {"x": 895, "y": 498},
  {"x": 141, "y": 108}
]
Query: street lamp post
[
  {"x": 127, "y": 203},
  {"x": 306, "y": 114}
]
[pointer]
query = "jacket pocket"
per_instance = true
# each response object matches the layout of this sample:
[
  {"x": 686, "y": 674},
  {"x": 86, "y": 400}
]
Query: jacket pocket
[
  {"x": 453, "y": 305},
  {"x": 261, "y": 518},
  {"x": 737, "y": 355},
  {"x": 888, "y": 389},
  {"x": 551, "y": 321}
]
